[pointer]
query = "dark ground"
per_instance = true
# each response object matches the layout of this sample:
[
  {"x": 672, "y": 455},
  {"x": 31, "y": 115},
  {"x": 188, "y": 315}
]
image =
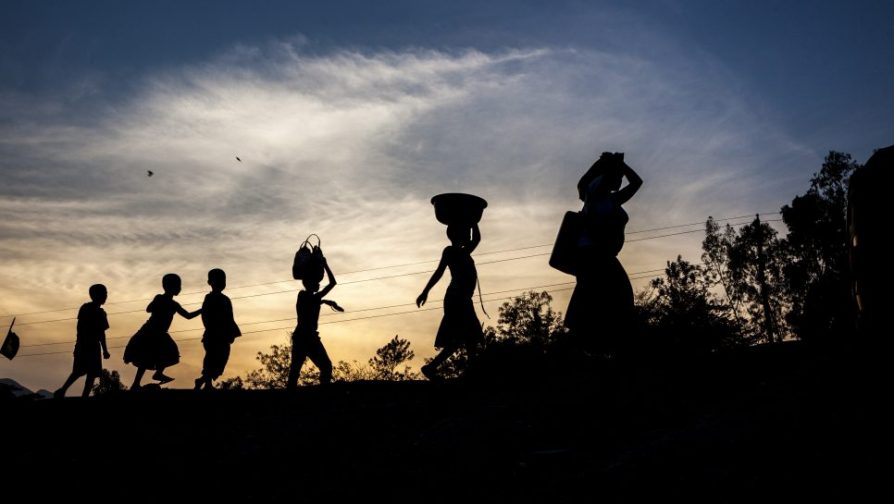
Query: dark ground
[{"x": 784, "y": 422}]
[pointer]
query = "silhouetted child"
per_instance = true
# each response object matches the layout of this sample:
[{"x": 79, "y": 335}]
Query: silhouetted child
[
  {"x": 152, "y": 347},
  {"x": 460, "y": 326},
  {"x": 306, "y": 341},
  {"x": 220, "y": 329},
  {"x": 91, "y": 341}
]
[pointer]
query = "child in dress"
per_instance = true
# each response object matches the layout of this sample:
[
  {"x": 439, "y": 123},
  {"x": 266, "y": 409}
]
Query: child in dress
[{"x": 152, "y": 347}]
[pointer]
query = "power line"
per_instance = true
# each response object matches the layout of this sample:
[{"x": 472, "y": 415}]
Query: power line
[
  {"x": 387, "y": 277},
  {"x": 529, "y": 288},
  {"x": 639, "y": 275},
  {"x": 409, "y": 312},
  {"x": 393, "y": 266}
]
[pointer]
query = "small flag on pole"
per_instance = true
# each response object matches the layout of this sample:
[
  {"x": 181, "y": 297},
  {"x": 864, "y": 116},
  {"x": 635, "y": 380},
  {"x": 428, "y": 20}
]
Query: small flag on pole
[{"x": 11, "y": 344}]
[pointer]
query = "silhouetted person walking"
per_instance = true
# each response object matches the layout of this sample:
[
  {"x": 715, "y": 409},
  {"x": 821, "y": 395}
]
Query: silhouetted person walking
[
  {"x": 91, "y": 342},
  {"x": 306, "y": 341},
  {"x": 220, "y": 329},
  {"x": 152, "y": 347},
  {"x": 460, "y": 326},
  {"x": 601, "y": 306}
]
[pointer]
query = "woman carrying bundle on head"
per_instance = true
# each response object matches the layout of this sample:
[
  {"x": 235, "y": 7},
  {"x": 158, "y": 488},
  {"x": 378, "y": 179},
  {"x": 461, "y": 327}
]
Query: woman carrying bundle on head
[
  {"x": 460, "y": 327},
  {"x": 601, "y": 306}
]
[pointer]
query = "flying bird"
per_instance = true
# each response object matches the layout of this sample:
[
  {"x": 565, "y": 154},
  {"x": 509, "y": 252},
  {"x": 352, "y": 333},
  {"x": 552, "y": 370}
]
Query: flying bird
[
  {"x": 149, "y": 173},
  {"x": 237, "y": 159}
]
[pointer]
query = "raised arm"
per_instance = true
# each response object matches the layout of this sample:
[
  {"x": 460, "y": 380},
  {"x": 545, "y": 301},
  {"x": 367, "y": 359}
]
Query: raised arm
[
  {"x": 634, "y": 182},
  {"x": 439, "y": 272},
  {"x": 476, "y": 238},
  {"x": 596, "y": 169},
  {"x": 325, "y": 290}
]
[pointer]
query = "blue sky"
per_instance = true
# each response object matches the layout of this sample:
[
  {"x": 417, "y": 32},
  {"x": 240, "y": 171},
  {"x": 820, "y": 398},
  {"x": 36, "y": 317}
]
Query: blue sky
[{"x": 349, "y": 116}]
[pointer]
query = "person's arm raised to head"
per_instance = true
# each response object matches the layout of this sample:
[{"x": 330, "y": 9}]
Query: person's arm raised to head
[
  {"x": 634, "y": 182},
  {"x": 596, "y": 169},
  {"x": 476, "y": 238},
  {"x": 331, "y": 276},
  {"x": 439, "y": 272}
]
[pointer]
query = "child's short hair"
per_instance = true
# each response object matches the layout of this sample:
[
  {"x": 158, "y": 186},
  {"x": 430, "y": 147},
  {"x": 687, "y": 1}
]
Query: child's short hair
[
  {"x": 216, "y": 275},
  {"x": 97, "y": 290},
  {"x": 170, "y": 281}
]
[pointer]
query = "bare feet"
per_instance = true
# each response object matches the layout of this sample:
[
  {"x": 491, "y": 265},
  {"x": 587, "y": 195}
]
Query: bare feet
[{"x": 161, "y": 378}]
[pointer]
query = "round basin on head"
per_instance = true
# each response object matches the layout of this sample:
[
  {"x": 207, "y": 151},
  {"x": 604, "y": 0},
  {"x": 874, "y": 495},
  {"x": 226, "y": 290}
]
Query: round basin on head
[{"x": 458, "y": 208}]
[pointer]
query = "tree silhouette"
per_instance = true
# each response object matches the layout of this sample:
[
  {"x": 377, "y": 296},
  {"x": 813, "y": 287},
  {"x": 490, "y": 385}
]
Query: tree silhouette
[
  {"x": 274, "y": 370},
  {"x": 749, "y": 266},
  {"x": 528, "y": 320},
  {"x": 681, "y": 313},
  {"x": 387, "y": 360},
  {"x": 234, "y": 383},
  {"x": 816, "y": 246},
  {"x": 527, "y": 330},
  {"x": 109, "y": 383}
]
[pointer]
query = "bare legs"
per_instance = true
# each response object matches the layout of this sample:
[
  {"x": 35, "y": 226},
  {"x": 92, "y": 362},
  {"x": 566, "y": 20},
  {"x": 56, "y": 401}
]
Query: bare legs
[{"x": 88, "y": 385}]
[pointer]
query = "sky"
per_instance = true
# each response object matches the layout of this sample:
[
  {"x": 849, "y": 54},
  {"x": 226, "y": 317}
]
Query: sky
[{"x": 348, "y": 116}]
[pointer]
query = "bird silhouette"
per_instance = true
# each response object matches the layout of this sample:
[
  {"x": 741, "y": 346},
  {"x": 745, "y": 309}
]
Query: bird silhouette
[
  {"x": 237, "y": 159},
  {"x": 149, "y": 173}
]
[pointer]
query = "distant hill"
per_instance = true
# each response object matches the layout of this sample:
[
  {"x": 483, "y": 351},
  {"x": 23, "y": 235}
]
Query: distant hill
[
  {"x": 16, "y": 389},
  {"x": 778, "y": 423}
]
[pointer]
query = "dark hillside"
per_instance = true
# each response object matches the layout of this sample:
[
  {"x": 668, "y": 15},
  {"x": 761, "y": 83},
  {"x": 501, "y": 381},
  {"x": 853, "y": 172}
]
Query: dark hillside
[{"x": 767, "y": 423}]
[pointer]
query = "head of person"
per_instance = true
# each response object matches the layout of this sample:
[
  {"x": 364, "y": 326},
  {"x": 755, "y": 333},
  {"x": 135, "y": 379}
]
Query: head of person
[
  {"x": 171, "y": 284},
  {"x": 612, "y": 179},
  {"x": 217, "y": 279},
  {"x": 603, "y": 177},
  {"x": 310, "y": 285},
  {"x": 98, "y": 293},
  {"x": 459, "y": 235},
  {"x": 611, "y": 174}
]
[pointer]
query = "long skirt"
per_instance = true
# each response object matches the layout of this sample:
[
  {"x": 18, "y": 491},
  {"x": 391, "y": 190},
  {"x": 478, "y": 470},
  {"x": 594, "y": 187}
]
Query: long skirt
[
  {"x": 600, "y": 311},
  {"x": 460, "y": 325},
  {"x": 151, "y": 349}
]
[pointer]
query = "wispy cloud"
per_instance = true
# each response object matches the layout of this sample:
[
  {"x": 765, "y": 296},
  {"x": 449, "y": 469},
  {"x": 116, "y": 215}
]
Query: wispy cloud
[{"x": 352, "y": 145}]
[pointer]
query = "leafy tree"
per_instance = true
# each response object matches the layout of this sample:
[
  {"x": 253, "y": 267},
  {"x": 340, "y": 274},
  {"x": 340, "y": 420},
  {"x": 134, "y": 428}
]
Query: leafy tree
[
  {"x": 681, "y": 313},
  {"x": 816, "y": 274},
  {"x": 109, "y": 382},
  {"x": 234, "y": 383},
  {"x": 528, "y": 320},
  {"x": 748, "y": 265},
  {"x": 274, "y": 370},
  {"x": 347, "y": 371},
  {"x": 527, "y": 330},
  {"x": 457, "y": 364},
  {"x": 385, "y": 365}
]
